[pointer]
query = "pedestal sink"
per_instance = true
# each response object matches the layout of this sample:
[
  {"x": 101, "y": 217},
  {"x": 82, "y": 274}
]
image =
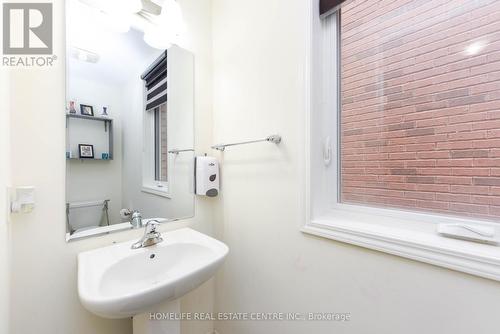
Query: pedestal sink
[{"x": 120, "y": 282}]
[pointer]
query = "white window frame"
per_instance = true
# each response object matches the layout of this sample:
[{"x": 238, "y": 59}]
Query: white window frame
[
  {"x": 399, "y": 232},
  {"x": 149, "y": 184}
]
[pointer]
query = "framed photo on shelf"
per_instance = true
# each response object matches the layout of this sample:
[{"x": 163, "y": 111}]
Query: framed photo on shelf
[
  {"x": 71, "y": 107},
  {"x": 86, "y": 110},
  {"x": 86, "y": 151}
]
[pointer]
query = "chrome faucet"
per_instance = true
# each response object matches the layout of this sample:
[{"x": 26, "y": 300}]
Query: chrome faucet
[
  {"x": 151, "y": 236},
  {"x": 135, "y": 217},
  {"x": 136, "y": 220}
]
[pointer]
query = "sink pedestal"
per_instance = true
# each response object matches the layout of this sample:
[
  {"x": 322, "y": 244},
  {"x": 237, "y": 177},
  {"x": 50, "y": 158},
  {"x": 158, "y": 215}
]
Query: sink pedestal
[{"x": 148, "y": 323}]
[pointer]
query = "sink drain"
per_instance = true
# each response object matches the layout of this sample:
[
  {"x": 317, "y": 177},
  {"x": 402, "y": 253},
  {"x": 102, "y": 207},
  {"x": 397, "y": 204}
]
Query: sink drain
[{"x": 152, "y": 256}]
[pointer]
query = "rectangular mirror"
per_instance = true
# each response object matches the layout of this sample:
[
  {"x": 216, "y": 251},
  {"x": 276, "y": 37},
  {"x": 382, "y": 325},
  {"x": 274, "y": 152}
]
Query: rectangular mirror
[{"x": 129, "y": 124}]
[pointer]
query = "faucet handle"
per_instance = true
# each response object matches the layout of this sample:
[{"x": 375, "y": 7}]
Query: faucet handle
[
  {"x": 125, "y": 213},
  {"x": 151, "y": 226},
  {"x": 151, "y": 236}
]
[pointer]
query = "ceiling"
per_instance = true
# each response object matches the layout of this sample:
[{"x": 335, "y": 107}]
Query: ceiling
[{"x": 121, "y": 55}]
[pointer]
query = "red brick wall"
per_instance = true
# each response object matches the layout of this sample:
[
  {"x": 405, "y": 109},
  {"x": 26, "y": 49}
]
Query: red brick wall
[
  {"x": 164, "y": 143},
  {"x": 420, "y": 117}
]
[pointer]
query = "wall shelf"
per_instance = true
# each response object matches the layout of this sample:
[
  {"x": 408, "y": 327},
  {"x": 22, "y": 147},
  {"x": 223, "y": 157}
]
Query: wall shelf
[
  {"x": 88, "y": 132},
  {"x": 83, "y": 159},
  {"x": 107, "y": 121}
]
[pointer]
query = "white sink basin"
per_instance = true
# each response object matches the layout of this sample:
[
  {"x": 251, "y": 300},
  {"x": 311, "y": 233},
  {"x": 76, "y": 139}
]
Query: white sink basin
[{"x": 120, "y": 282}]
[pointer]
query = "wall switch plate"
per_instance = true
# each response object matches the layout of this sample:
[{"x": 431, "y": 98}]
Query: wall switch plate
[{"x": 22, "y": 200}]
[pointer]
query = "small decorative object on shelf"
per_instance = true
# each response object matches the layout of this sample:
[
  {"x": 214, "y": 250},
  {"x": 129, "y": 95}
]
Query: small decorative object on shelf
[
  {"x": 105, "y": 156},
  {"x": 105, "y": 111},
  {"x": 86, "y": 110},
  {"x": 69, "y": 155},
  {"x": 86, "y": 151},
  {"x": 72, "y": 109}
]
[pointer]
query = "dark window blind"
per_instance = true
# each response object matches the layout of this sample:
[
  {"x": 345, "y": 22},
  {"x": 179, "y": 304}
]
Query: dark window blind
[
  {"x": 326, "y": 6},
  {"x": 155, "y": 80}
]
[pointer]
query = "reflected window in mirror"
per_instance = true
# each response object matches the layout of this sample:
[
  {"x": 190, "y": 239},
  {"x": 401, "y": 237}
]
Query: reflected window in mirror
[
  {"x": 156, "y": 164},
  {"x": 161, "y": 150}
]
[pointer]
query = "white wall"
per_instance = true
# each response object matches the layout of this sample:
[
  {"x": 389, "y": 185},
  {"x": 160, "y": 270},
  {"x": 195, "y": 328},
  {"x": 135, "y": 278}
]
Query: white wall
[
  {"x": 4, "y": 183},
  {"x": 259, "y": 89},
  {"x": 43, "y": 270}
]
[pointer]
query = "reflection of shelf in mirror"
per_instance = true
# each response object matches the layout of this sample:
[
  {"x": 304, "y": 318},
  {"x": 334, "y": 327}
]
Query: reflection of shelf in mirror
[
  {"x": 106, "y": 120},
  {"x": 72, "y": 120},
  {"x": 83, "y": 159},
  {"x": 95, "y": 118}
]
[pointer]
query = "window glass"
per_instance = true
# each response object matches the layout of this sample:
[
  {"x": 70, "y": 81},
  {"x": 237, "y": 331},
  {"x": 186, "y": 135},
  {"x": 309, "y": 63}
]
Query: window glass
[
  {"x": 420, "y": 105},
  {"x": 161, "y": 150}
]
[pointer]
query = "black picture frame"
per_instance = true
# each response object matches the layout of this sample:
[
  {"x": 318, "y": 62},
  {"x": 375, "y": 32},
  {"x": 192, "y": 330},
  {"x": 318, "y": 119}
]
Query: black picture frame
[
  {"x": 86, "y": 110},
  {"x": 86, "y": 151}
]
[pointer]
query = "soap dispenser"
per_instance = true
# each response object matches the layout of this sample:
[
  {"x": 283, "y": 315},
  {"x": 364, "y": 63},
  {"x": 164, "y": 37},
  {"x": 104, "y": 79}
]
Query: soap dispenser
[{"x": 206, "y": 176}]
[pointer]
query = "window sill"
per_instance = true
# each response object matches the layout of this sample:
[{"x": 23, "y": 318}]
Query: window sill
[
  {"x": 158, "y": 191},
  {"x": 417, "y": 240}
]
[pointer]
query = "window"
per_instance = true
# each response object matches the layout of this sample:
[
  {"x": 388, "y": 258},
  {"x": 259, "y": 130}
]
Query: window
[
  {"x": 420, "y": 106},
  {"x": 161, "y": 151},
  {"x": 155, "y": 171},
  {"x": 156, "y": 134},
  {"x": 405, "y": 128}
]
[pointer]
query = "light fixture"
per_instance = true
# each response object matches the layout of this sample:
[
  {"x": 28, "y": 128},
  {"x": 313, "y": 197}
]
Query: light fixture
[
  {"x": 119, "y": 23},
  {"x": 121, "y": 6},
  {"x": 117, "y": 14},
  {"x": 165, "y": 32},
  {"x": 131, "y": 6},
  {"x": 84, "y": 55}
]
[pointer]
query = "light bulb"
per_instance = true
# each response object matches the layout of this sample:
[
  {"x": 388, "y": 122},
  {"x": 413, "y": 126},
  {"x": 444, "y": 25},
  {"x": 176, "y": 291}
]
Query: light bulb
[{"x": 168, "y": 27}]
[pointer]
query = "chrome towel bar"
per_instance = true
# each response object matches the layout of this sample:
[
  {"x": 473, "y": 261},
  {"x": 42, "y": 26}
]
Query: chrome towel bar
[
  {"x": 176, "y": 151},
  {"x": 276, "y": 139},
  {"x": 76, "y": 205}
]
